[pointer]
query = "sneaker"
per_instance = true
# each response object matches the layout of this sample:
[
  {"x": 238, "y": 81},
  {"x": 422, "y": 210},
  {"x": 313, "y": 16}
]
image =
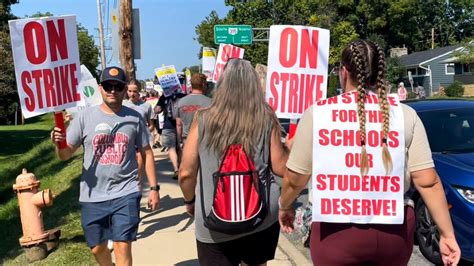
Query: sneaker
[
  {"x": 110, "y": 245},
  {"x": 175, "y": 176}
]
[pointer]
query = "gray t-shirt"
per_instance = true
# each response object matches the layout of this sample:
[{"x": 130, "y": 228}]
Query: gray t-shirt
[
  {"x": 188, "y": 106},
  {"x": 210, "y": 164},
  {"x": 109, "y": 140},
  {"x": 143, "y": 108}
]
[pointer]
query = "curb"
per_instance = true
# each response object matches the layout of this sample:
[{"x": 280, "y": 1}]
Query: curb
[{"x": 294, "y": 255}]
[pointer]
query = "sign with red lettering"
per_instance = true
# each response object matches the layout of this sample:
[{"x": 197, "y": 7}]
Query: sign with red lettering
[
  {"x": 47, "y": 69},
  {"x": 226, "y": 52},
  {"x": 340, "y": 193},
  {"x": 297, "y": 69}
]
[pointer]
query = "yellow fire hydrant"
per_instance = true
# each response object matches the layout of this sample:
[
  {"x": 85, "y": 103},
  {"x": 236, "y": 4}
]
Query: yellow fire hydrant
[{"x": 35, "y": 239}]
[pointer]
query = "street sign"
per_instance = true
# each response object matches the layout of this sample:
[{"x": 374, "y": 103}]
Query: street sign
[{"x": 233, "y": 34}]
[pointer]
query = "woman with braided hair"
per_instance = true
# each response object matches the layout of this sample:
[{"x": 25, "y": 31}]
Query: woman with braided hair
[{"x": 360, "y": 215}]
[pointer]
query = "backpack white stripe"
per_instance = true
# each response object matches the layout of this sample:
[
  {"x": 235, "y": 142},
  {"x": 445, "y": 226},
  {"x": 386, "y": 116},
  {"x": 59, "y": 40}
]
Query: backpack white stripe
[
  {"x": 242, "y": 205},
  {"x": 232, "y": 196},
  {"x": 237, "y": 198}
]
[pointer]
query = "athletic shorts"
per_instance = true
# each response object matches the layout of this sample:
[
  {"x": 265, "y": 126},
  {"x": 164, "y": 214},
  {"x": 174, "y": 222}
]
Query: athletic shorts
[
  {"x": 115, "y": 219},
  {"x": 168, "y": 138},
  {"x": 363, "y": 244},
  {"x": 254, "y": 249}
]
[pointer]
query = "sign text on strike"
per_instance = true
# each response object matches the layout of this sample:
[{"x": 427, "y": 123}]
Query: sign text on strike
[
  {"x": 53, "y": 86},
  {"x": 302, "y": 89}
]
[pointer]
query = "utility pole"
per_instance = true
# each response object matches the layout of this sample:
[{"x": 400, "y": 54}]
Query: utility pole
[
  {"x": 101, "y": 36},
  {"x": 432, "y": 38},
  {"x": 126, "y": 38}
]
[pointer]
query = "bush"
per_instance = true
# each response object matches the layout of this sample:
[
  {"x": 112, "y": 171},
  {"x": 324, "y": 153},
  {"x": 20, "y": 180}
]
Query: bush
[
  {"x": 332, "y": 86},
  {"x": 455, "y": 89}
]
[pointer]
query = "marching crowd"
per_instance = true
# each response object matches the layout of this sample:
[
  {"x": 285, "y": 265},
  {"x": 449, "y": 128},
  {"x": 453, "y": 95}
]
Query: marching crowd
[{"x": 227, "y": 154}]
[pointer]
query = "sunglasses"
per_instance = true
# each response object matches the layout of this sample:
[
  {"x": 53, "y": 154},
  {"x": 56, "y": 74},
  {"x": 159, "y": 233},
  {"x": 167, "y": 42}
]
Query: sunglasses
[{"x": 113, "y": 87}]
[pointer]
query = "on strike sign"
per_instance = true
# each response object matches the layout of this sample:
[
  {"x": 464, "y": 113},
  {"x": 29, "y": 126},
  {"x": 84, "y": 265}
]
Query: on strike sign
[
  {"x": 226, "y": 52},
  {"x": 340, "y": 193},
  {"x": 47, "y": 69},
  {"x": 297, "y": 68}
]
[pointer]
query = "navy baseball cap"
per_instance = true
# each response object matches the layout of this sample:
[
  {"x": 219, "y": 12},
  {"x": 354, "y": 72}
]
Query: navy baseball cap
[{"x": 113, "y": 74}]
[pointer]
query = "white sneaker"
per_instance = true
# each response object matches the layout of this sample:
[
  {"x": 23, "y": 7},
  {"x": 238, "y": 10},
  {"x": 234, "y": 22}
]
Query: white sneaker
[{"x": 110, "y": 245}]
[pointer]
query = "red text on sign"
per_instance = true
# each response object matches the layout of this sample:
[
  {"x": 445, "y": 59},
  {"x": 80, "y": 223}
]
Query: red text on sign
[
  {"x": 53, "y": 87},
  {"x": 358, "y": 207},
  {"x": 367, "y": 183},
  {"x": 35, "y": 41},
  {"x": 302, "y": 91},
  {"x": 291, "y": 43},
  {"x": 373, "y": 138}
]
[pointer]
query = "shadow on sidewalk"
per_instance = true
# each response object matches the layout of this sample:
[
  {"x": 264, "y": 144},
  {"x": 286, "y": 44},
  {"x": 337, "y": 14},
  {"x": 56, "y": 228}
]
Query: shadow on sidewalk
[
  {"x": 188, "y": 263},
  {"x": 166, "y": 203},
  {"x": 164, "y": 222}
]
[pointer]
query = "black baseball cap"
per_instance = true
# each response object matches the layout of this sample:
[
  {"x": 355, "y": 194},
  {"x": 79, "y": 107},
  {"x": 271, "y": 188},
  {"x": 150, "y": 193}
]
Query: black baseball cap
[{"x": 113, "y": 74}]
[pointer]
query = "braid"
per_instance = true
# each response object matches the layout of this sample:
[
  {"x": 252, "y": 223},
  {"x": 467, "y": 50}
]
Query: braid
[
  {"x": 384, "y": 108},
  {"x": 361, "y": 80}
]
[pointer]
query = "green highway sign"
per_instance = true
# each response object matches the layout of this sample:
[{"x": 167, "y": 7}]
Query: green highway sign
[{"x": 233, "y": 34}]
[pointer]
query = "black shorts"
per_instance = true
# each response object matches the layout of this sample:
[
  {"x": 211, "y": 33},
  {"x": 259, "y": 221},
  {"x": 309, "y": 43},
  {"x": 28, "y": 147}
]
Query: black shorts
[{"x": 256, "y": 248}]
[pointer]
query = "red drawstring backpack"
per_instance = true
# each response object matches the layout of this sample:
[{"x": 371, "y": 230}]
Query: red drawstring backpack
[{"x": 241, "y": 196}]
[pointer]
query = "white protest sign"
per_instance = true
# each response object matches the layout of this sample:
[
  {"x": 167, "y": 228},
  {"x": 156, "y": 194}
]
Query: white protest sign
[
  {"x": 46, "y": 56},
  {"x": 149, "y": 86},
  {"x": 226, "y": 52},
  {"x": 168, "y": 78},
  {"x": 89, "y": 89},
  {"x": 208, "y": 62},
  {"x": 297, "y": 69},
  {"x": 340, "y": 193},
  {"x": 188, "y": 81}
]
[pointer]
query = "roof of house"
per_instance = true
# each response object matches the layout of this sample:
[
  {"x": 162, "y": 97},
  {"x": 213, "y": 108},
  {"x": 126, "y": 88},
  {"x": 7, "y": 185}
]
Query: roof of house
[{"x": 416, "y": 58}]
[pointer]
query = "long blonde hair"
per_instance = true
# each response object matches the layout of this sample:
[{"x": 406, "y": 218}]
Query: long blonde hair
[
  {"x": 239, "y": 113},
  {"x": 365, "y": 61}
]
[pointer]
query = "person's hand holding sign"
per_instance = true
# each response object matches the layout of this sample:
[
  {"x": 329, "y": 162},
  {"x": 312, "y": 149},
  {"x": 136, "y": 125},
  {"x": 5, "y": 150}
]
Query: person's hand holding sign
[{"x": 57, "y": 135}]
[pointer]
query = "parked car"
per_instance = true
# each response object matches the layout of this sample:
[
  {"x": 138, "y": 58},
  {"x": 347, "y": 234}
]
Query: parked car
[{"x": 449, "y": 125}]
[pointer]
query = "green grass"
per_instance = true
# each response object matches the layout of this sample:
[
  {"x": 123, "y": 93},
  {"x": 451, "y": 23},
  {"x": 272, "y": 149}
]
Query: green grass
[{"x": 29, "y": 147}]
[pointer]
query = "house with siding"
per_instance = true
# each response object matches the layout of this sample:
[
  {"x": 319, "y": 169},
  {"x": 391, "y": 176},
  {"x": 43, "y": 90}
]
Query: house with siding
[{"x": 436, "y": 67}]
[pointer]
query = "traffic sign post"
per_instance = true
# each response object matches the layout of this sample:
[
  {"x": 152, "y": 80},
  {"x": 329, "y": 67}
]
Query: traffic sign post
[{"x": 233, "y": 34}]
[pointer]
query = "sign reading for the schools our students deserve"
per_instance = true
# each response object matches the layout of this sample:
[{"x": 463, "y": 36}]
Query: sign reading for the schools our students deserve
[
  {"x": 340, "y": 193},
  {"x": 169, "y": 81},
  {"x": 47, "y": 68},
  {"x": 297, "y": 68},
  {"x": 226, "y": 52}
]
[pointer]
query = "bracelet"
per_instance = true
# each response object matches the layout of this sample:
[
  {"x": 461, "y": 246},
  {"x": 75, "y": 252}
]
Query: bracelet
[
  {"x": 280, "y": 207},
  {"x": 191, "y": 201}
]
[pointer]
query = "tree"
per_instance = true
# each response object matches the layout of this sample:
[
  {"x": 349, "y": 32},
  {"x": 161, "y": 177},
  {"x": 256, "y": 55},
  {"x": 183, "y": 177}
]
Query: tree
[
  {"x": 8, "y": 95},
  {"x": 193, "y": 69},
  {"x": 394, "y": 70}
]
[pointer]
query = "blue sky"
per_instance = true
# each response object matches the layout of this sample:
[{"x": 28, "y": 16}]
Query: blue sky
[{"x": 167, "y": 26}]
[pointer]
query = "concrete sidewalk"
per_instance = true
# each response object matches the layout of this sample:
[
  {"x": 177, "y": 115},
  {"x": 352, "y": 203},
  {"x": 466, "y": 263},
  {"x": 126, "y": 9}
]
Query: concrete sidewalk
[{"x": 166, "y": 236}]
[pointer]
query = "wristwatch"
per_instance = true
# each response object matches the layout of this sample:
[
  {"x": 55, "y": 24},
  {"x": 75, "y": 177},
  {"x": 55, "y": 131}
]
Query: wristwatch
[{"x": 156, "y": 188}]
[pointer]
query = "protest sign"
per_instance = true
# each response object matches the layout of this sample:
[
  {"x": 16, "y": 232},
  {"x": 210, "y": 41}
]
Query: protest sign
[
  {"x": 226, "y": 52},
  {"x": 188, "y": 81},
  {"x": 208, "y": 62},
  {"x": 340, "y": 193},
  {"x": 169, "y": 81},
  {"x": 46, "y": 57},
  {"x": 297, "y": 68},
  {"x": 149, "y": 86},
  {"x": 90, "y": 94},
  {"x": 262, "y": 75}
]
